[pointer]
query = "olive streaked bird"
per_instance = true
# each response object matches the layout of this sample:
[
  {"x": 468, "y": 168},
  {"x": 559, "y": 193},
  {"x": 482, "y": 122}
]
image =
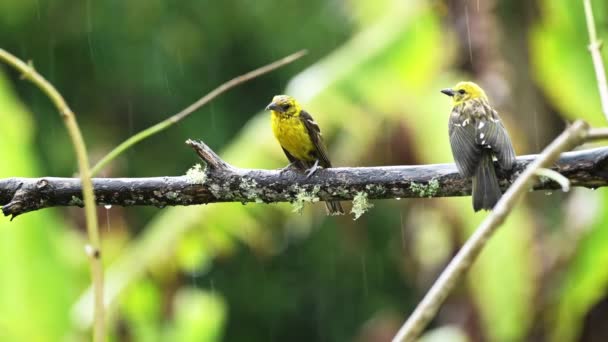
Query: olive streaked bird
[
  {"x": 301, "y": 140},
  {"x": 477, "y": 137}
]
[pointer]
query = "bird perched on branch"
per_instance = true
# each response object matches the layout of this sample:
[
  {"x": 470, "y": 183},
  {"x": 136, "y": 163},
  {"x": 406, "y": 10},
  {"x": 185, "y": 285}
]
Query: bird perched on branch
[
  {"x": 301, "y": 140},
  {"x": 477, "y": 136}
]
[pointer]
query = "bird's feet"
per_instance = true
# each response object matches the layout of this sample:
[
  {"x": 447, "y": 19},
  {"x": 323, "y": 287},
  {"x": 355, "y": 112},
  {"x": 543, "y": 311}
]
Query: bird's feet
[
  {"x": 290, "y": 166},
  {"x": 313, "y": 169}
]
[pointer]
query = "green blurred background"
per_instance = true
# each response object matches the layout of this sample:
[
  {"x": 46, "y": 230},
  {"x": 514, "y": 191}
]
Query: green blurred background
[{"x": 229, "y": 272}]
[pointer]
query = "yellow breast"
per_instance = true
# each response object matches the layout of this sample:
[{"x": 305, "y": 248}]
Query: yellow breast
[{"x": 293, "y": 136}]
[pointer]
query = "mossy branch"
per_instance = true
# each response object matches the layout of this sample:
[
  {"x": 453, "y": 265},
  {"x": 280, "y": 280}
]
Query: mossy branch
[{"x": 222, "y": 182}]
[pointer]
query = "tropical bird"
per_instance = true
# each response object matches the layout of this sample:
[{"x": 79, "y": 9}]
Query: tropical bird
[
  {"x": 301, "y": 140},
  {"x": 477, "y": 136}
]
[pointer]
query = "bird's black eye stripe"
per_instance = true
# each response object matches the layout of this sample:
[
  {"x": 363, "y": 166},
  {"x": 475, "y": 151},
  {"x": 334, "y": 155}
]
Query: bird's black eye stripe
[
  {"x": 461, "y": 91},
  {"x": 286, "y": 106}
]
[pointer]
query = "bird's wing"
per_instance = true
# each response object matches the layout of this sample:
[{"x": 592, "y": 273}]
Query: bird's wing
[
  {"x": 465, "y": 150},
  {"x": 315, "y": 136},
  {"x": 294, "y": 160},
  {"x": 493, "y": 135}
]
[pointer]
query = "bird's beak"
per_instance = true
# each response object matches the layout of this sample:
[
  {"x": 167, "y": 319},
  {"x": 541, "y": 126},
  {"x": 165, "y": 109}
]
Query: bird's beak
[
  {"x": 448, "y": 91},
  {"x": 273, "y": 106}
]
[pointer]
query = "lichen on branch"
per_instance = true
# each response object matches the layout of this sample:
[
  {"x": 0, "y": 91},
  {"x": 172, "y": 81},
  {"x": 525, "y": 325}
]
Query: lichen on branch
[{"x": 222, "y": 182}]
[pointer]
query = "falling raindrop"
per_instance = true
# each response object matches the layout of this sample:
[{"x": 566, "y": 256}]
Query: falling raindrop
[
  {"x": 180, "y": 62},
  {"x": 466, "y": 15},
  {"x": 130, "y": 117},
  {"x": 212, "y": 116},
  {"x": 38, "y": 9},
  {"x": 89, "y": 30},
  {"x": 166, "y": 79},
  {"x": 403, "y": 241},
  {"x": 537, "y": 135},
  {"x": 108, "y": 206},
  {"x": 364, "y": 275},
  {"x": 89, "y": 249}
]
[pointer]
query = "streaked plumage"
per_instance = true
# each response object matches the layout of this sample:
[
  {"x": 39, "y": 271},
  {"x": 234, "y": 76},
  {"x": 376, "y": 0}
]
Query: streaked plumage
[
  {"x": 301, "y": 140},
  {"x": 477, "y": 135}
]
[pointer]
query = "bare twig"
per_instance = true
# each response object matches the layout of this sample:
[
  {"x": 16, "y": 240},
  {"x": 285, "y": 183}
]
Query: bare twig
[
  {"x": 461, "y": 263},
  {"x": 221, "y": 182},
  {"x": 210, "y": 158},
  {"x": 556, "y": 177},
  {"x": 597, "y": 134},
  {"x": 93, "y": 249},
  {"x": 192, "y": 108},
  {"x": 595, "y": 46}
]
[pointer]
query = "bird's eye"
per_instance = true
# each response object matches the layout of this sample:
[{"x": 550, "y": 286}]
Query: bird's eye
[
  {"x": 461, "y": 91},
  {"x": 286, "y": 106}
]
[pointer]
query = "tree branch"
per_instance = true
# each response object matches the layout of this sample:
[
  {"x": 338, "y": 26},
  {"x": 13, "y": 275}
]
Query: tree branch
[{"x": 226, "y": 183}]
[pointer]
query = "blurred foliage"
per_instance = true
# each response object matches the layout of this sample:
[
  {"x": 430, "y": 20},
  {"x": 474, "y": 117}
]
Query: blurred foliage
[
  {"x": 561, "y": 58},
  {"x": 260, "y": 272},
  {"x": 40, "y": 281}
]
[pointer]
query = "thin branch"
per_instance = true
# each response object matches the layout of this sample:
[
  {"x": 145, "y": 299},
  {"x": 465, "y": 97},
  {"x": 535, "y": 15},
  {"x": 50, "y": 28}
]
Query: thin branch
[
  {"x": 222, "y": 182},
  {"x": 93, "y": 249},
  {"x": 597, "y": 134},
  {"x": 595, "y": 46},
  {"x": 462, "y": 262},
  {"x": 211, "y": 159},
  {"x": 118, "y": 150},
  {"x": 556, "y": 177}
]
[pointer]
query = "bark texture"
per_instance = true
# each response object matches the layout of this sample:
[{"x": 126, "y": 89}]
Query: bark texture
[{"x": 221, "y": 182}]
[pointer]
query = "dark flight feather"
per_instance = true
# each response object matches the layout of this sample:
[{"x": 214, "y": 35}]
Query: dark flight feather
[
  {"x": 314, "y": 132},
  {"x": 475, "y": 139},
  {"x": 320, "y": 154}
]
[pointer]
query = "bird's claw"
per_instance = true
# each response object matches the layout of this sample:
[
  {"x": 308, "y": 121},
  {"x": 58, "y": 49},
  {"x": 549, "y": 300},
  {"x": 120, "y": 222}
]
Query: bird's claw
[
  {"x": 290, "y": 166},
  {"x": 313, "y": 169}
]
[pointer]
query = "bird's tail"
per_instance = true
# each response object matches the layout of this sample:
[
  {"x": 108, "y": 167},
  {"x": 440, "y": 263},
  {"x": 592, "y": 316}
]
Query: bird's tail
[
  {"x": 334, "y": 208},
  {"x": 486, "y": 190}
]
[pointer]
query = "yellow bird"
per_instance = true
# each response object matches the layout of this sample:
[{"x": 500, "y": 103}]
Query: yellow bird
[
  {"x": 477, "y": 135},
  {"x": 301, "y": 140}
]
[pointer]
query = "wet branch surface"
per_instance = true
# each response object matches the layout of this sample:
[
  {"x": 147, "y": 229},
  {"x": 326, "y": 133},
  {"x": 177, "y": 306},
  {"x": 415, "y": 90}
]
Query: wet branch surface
[{"x": 226, "y": 183}]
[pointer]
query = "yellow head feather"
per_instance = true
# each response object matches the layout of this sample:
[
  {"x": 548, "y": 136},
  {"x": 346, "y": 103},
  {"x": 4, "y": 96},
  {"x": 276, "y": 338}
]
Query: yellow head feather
[
  {"x": 464, "y": 91},
  {"x": 284, "y": 105}
]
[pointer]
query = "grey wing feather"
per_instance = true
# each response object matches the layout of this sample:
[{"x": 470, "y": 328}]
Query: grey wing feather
[
  {"x": 315, "y": 135},
  {"x": 298, "y": 163},
  {"x": 496, "y": 138},
  {"x": 464, "y": 149}
]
